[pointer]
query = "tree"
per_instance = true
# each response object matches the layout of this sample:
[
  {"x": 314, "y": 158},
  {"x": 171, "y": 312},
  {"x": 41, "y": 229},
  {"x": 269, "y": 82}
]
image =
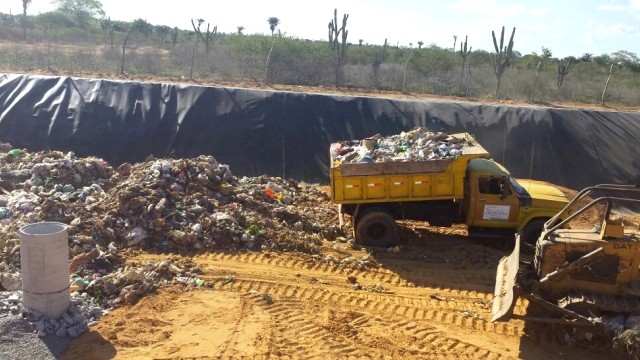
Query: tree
[
  {"x": 174, "y": 36},
  {"x": 455, "y": 40},
  {"x": 339, "y": 47},
  {"x": 108, "y": 27},
  {"x": 240, "y": 30},
  {"x": 586, "y": 57},
  {"x": 82, "y": 10},
  {"x": 161, "y": 32},
  {"x": 139, "y": 25},
  {"x": 406, "y": 65},
  {"x": 420, "y": 43},
  {"x": 606, "y": 85},
  {"x": 541, "y": 59},
  {"x": 25, "y": 23},
  {"x": 503, "y": 57},
  {"x": 627, "y": 59},
  {"x": 273, "y": 24}
]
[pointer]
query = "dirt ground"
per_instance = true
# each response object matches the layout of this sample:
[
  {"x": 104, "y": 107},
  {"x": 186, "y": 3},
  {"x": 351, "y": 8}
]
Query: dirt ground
[{"x": 428, "y": 299}]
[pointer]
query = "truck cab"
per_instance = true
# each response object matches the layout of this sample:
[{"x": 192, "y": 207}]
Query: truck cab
[{"x": 497, "y": 203}]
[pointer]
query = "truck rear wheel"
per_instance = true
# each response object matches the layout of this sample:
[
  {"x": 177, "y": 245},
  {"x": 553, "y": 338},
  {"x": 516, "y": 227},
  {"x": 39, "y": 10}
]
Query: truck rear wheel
[{"x": 377, "y": 228}]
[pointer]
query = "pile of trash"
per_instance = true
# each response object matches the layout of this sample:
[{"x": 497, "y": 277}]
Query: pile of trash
[
  {"x": 418, "y": 144},
  {"x": 162, "y": 205}
]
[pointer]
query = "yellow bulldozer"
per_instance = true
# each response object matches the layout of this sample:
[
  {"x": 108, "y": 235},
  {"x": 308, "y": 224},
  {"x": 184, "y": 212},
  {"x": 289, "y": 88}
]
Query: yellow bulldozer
[{"x": 578, "y": 275}]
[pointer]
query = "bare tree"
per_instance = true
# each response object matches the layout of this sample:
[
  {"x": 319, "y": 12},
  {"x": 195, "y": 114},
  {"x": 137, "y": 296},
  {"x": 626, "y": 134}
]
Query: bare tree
[
  {"x": 25, "y": 21},
  {"x": 138, "y": 25},
  {"x": 161, "y": 32},
  {"x": 378, "y": 59},
  {"x": 406, "y": 65},
  {"x": 606, "y": 85}
]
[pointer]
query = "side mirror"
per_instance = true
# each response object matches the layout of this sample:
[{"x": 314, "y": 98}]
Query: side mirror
[{"x": 505, "y": 190}]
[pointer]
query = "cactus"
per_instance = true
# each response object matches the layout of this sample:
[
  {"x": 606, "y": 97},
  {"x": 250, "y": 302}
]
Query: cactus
[
  {"x": 341, "y": 46},
  {"x": 464, "y": 53},
  {"x": 563, "y": 70},
  {"x": 378, "y": 59},
  {"x": 206, "y": 37},
  {"x": 503, "y": 58}
]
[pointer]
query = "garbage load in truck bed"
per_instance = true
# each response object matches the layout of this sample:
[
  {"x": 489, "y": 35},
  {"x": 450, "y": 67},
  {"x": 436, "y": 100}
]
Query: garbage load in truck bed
[{"x": 416, "y": 165}]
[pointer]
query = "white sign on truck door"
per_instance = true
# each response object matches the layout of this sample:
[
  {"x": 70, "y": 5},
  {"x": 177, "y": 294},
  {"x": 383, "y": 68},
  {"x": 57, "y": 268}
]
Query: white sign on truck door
[{"x": 496, "y": 212}]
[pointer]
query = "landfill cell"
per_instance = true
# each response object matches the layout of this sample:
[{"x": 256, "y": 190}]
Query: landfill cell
[
  {"x": 341, "y": 303},
  {"x": 194, "y": 262}
]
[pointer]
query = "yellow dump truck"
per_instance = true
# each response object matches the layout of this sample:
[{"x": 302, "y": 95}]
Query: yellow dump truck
[{"x": 467, "y": 188}]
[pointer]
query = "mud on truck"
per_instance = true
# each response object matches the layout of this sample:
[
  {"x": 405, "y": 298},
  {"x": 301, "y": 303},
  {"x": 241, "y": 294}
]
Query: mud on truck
[{"x": 443, "y": 179}]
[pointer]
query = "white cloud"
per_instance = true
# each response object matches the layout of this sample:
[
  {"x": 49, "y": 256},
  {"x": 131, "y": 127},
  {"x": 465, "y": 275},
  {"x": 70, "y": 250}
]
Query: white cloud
[
  {"x": 511, "y": 11},
  {"x": 544, "y": 11},
  {"x": 473, "y": 5},
  {"x": 539, "y": 27},
  {"x": 611, "y": 7}
]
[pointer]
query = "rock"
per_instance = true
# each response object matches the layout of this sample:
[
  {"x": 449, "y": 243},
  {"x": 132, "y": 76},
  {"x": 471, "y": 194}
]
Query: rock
[
  {"x": 74, "y": 332},
  {"x": 10, "y": 282},
  {"x": 83, "y": 259}
]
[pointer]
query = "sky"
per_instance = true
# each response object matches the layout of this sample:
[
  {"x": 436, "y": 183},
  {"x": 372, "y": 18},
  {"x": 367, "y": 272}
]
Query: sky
[{"x": 566, "y": 27}]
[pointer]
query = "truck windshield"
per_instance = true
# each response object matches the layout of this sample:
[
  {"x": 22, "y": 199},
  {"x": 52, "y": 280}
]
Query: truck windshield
[{"x": 517, "y": 187}]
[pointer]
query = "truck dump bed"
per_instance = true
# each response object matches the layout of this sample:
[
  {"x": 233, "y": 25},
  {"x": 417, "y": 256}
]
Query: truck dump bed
[{"x": 414, "y": 180}]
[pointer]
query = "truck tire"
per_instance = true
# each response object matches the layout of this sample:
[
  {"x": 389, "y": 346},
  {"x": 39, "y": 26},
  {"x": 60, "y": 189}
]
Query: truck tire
[
  {"x": 532, "y": 231},
  {"x": 377, "y": 228}
]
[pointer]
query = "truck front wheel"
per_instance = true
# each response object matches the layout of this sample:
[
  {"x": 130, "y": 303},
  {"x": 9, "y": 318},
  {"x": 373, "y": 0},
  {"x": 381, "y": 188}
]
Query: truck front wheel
[
  {"x": 532, "y": 231},
  {"x": 377, "y": 228}
]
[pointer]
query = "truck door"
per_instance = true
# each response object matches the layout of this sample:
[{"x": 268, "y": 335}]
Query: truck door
[{"x": 495, "y": 203}]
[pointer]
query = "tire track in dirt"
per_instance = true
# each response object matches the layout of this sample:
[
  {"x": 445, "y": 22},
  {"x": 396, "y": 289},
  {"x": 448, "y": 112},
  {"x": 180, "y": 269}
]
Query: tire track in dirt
[
  {"x": 430, "y": 319},
  {"x": 346, "y": 333},
  {"x": 475, "y": 281},
  {"x": 458, "y": 311}
]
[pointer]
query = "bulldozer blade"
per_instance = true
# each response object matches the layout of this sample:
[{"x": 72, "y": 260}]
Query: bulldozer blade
[{"x": 504, "y": 296}]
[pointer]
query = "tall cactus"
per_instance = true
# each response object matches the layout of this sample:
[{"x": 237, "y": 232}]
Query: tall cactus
[
  {"x": 464, "y": 53},
  {"x": 341, "y": 46},
  {"x": 207, "y": 36},
  {"x": 563, "y": 70},
  {"x": 503, "y": 58}
]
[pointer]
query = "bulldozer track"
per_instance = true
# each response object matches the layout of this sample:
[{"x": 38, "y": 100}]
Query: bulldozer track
[
  {"x": 482, "y": 280},
  {"x": 458, "y": 312},
  {"x": 315, "y": 309},
  {"x": 352, "y": 334}
]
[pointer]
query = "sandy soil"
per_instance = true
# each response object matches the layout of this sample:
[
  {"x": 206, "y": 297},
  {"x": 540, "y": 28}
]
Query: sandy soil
[{"x": 430, "y": 299}]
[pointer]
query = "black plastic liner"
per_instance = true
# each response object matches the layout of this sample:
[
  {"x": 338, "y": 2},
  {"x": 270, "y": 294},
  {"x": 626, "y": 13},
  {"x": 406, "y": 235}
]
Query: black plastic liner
[{"x": 288, "y": 134}]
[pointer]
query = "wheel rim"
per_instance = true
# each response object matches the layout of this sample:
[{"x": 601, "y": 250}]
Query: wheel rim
[{"x": 376, "y": 231}]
